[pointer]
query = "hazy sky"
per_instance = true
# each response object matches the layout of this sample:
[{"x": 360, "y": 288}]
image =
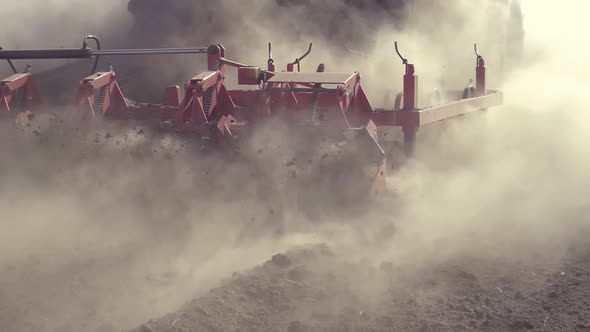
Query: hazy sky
[
  {"x": 557, "y": 44},
  {"x": 566, "y": 20}
]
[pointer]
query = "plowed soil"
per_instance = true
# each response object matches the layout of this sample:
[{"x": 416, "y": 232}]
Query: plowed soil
[{"x": 305, "y": 290}]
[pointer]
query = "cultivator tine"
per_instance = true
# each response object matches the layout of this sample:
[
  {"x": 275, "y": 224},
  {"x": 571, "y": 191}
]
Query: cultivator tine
[
  {"x": 370, "y": 152},
  {"x": 6, "y": 102},
  {"x": 378, "y": 185}
]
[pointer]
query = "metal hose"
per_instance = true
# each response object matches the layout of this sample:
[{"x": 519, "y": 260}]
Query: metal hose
[{"x": 85, "y": 45}]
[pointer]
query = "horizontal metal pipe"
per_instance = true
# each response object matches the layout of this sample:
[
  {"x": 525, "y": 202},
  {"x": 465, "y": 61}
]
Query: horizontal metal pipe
[
  {"x": 318, "y": 90},
  {"x": 58, "y": 53},
  {"x": 84, "y": 53},
  {"x": 152, "y": 51}
]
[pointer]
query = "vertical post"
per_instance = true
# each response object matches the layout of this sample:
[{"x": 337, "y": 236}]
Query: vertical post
[
  {"x": 410, "y": 89},
  {"x": 410, "y": 104},
  {"x": 213, "y": 58},
  {"x": 172, "y": 96},
  {"x": 480, "y": 74},
  {"x": 221, "y": 64},
  {"x": 410, "y": 95},
  {"x": 480, "y": 77},
  {"x": 271, "y": 61},
  {"x": 410, "y": 132}
]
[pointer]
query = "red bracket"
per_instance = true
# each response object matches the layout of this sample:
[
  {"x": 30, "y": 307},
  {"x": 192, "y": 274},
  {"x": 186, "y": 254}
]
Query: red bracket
[
  {"x": 19, "y": 82},
  {"x": 353, "y": 96},
  {"x": 206, "y": 99},
  {"x": 112, "y": 96}
]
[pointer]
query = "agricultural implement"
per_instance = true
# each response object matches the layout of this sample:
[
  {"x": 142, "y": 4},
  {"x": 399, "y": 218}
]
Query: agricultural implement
[{"x": 313, "y": 105}]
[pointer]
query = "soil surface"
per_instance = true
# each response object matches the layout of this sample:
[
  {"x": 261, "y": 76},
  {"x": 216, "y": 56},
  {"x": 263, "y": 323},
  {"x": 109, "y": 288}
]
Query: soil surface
[{"x": 304, "y": 290}]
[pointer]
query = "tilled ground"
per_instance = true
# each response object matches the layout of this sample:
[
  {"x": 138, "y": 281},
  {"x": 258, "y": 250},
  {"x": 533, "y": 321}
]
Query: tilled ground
[
  {"x": 313, "y": 289},
  {"x": 306, "y": 289}
]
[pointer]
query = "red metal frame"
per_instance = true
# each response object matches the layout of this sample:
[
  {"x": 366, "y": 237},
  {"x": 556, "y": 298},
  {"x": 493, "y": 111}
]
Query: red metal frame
[{"x": 333, "y": 102}]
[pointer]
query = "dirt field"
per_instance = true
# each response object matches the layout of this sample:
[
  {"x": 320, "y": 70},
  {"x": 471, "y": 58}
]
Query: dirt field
[{"x": 313, "y": 289}]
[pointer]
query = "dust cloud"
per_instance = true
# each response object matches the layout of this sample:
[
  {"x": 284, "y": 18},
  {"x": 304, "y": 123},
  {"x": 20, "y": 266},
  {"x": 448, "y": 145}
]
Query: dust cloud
[
  {"x": 347, "y": 36},
  {"x": 517, "y": 179},
  {"x": 509, "y": 184},
  {"x": 97, "y": 215},
  {"x": 133, "y": 229}
]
